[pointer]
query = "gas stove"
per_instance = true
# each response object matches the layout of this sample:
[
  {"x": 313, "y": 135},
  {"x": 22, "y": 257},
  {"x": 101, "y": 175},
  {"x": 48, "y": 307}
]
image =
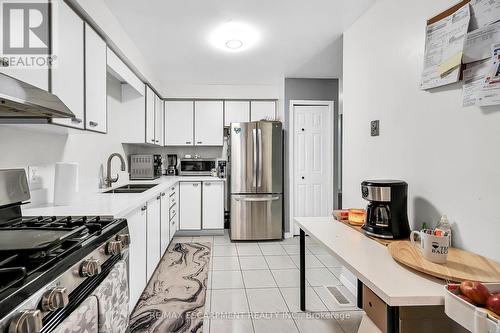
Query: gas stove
[{"x": 46, "y": 261}]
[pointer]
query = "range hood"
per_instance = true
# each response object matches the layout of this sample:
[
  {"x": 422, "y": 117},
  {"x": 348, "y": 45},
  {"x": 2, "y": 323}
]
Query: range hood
[{"x": 20, "y": 100}]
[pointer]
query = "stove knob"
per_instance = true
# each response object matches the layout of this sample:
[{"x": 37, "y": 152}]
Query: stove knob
[
  {"x": 114, "y": 248},
  {"x": 124, "y": 238},
  {"x": 90, "y": 267},
  {"x": 28, "y": 321},
  {"x": 55, "y": 298}
]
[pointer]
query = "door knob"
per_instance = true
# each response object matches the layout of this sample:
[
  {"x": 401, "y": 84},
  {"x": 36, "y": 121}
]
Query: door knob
[
  {"x": 303, "y": 130},
  {"x": 303, "y": 177}
]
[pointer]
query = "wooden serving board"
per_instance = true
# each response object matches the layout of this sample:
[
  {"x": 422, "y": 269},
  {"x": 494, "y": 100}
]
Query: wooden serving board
[
  {"x": 383, "y": 241},
  {"x": 461, "y": 265}
]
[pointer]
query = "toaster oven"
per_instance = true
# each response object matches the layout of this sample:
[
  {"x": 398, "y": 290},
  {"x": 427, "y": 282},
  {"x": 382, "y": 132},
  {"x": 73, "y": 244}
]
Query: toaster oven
[{"x": 145, "y": 167}]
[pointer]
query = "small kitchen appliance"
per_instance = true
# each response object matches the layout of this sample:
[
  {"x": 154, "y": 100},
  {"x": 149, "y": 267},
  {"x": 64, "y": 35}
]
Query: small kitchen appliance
[
  {"x": 386, "y": 213},
  {"x": 172, "y": 165},
  {"x": 197, "y": 166},
  {"x": 145, "y": 166}
]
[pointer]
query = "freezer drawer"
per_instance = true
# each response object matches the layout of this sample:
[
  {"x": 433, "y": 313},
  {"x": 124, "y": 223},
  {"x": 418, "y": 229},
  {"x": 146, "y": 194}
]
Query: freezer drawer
[{"x": 256, "y": 217}]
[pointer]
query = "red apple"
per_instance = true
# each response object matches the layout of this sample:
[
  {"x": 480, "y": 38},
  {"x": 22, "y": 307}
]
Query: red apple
[
  {"x": 465, "y": 298},
  {"x": 476, "y": 291},
  {"x": 493, "y": 303}
]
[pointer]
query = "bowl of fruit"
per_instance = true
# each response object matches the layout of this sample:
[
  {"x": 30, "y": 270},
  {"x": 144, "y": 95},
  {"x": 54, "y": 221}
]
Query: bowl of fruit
[{"x": 474, "y": 305}]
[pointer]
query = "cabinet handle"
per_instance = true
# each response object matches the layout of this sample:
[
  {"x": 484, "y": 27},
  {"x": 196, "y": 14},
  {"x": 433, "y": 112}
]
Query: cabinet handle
[
  {"x": 163, "y": 194},
  {"x": 195, "y": 184},
  {"x": 188, "y": 142},
  {"x": 76, "y": 120},
  {"x": 152, "y": 140},
  {"x": 207, "y": 184},
  {"x": 199, "y": 142},
  {"x": 158, "y": 197},
  {"x": 157, "y": 141},
  {"x": 93, "y": 123},
  {"x": 143, "y": 208},
  {"x": 172, "y": 188}
]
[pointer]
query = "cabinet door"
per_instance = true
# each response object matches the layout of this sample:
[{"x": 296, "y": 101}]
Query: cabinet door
[
  {"x": 208, "y": 123},
  {"x": 150, "y": 115},
  {"x": 179, "y": 123},
  {"x": 236, "y": 112},
  {"x": 154, "y": 235},
  {"x": 158, "y": 121},
  {"x": 95, "y": 82},
  {"x": 260, "y": 110},
  {"x": 213, "y": 205},
  {"x": 137, "y": 254},
  {"x": 190, "y": 205},
  {"x": 68, "y": 74},
  {"x": 165, "y": 225}
]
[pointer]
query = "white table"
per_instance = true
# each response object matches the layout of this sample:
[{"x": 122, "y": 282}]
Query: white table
[{"x": 373, "y": 266}]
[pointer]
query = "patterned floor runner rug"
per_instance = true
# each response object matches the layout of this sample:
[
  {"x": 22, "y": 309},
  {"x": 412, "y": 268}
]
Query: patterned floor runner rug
[{"x": 174, "y": 299}]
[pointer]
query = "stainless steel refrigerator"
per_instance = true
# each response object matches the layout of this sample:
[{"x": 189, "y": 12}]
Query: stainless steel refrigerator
[{"x": 256, "y": 165}]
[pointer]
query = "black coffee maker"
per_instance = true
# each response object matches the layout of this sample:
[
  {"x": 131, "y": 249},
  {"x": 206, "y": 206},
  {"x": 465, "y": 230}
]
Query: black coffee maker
[
  {"x": 172, "y": 165},
  {"x": 386, "y": 213}
]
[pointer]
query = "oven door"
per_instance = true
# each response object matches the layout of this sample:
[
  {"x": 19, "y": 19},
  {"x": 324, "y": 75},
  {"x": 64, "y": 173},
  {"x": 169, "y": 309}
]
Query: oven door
[{"x": 83, "y": 319}]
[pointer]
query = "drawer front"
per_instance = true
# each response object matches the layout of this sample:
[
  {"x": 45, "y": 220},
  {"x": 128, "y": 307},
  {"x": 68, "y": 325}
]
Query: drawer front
[
  {"x": 375, "y": 308},
  {"x": 172, "y": 212}
]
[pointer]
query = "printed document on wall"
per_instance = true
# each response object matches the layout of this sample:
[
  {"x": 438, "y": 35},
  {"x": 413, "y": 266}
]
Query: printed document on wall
[
  {"x": 490, "y": 94},
  {"x": 474, "y": 78},
  {"x": 478, "y": 43},
  {"x": 444, "y": 45},
  {"x": 484, "y": 12}
]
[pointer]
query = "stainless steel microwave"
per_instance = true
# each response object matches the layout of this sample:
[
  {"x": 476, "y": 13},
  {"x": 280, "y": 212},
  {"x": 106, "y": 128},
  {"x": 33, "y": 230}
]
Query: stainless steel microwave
[{"x": 197, "y": 166}]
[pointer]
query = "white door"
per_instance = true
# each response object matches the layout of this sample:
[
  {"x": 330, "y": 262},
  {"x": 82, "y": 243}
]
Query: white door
[
  {"x": 312, "y": 161},
  {"x": 154, "y": 235},
  {"x": 236, "y": 112},
  {"x": 190, "y": 205},
  {"x": 158, "y": 121},
  {"x": 208, "y": 123},
  {"x": 260, "y": 110},
  {"x": 179, "y": 123},
  {"x": 150, "y": 115},
  {"x": 137, "y": 254},
  {"x": 213, "y": 205},
  {"x": 95, "y": 82},
  {"x": 68, "y": 75},
  {"x": 165, "y": 225}
]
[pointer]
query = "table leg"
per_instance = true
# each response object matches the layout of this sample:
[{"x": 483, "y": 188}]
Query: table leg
[
  {"x": 392, "y": 319},
  {"x": 360, "y": 294},
  {"x": 302, "y": 270}
]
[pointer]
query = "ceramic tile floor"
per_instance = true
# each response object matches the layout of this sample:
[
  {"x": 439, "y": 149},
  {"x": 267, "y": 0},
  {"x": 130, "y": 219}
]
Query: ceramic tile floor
[{"x": 254, "y": 287}]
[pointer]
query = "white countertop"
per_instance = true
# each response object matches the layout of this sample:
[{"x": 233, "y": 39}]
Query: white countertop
[
  {"x": 112, "y": 204},
  {"x": 371, "y": 263}
]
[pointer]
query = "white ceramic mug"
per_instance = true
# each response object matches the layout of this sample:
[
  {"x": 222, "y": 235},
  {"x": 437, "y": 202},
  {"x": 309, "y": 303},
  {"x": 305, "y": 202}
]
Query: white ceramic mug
[{"x": 433, "y": 248}]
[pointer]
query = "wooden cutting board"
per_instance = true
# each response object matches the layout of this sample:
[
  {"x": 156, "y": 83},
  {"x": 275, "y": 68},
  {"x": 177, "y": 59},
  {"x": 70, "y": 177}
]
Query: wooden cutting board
[{"x": 461, "y": 265}]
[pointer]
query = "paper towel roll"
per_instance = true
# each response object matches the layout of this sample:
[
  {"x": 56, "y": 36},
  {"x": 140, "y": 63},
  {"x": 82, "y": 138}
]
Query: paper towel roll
[{"x": 65, "y": 183}]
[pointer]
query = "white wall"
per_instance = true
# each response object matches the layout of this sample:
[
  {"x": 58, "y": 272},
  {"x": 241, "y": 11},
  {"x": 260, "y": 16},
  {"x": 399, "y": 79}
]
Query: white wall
[{"x": 448, "y": 154}]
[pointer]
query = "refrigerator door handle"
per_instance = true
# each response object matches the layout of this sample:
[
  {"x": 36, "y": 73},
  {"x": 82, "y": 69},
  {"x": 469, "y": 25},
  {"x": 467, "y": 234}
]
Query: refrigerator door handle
[
  {"x": 254, "y": 134},
  {"x": 273, "y": 198},
  {"x": 259, "y": 174}
]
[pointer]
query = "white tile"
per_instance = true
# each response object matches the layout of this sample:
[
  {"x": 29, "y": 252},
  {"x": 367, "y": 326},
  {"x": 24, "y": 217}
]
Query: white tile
[
  {"x": 225, "y": 251},
  {"x": 240, "y": 324},
  {"x": 221, "y": 240},
  {"x": 319, "y": 323},
  {"x": 258, "y": 279},
  {"x": 331, "y": 303},
  {"x": 321, "y": 277},
  {"x": 294, "y": 249},
  {"x": 337, "y": 271},
  {"x": 311, "y": 261},
  {"x": 229, "y": 300},
  {"x": 206, "y": 325},
  {"x": 209, "y": 280},
  {"x": 272, "y": 249},
  {"x": 351, "y": 321},
  {"x": 292, "y": 299},
  {"x": 227, "y": 280},
  {"x": 266, "y": 300},
  {"x": 203, "y": 239},
  {"x": 317, "y": 249},
  {"x": 310, "y": 241},
  {"x": 254, "y": 262},
  {"x": 328, "y": 260},
  {"x": 292, "y": 240},
  {"x": 225, "y": 264},
  {"x": 287, "y": 277},
  {"x": 248, "y": 249},
  {"x": 208, "y": 299},
  {"x": 279, "y": 323},
  {"x": 279, "y": 262},
  {"x": 182, "y": 240}
]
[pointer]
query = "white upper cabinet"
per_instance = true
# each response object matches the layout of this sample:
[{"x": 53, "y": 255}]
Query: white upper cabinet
[
  {"x": 208, "y": 123},
  {"x": 236, "y": 112},
  {"x": 263, "y": 110},
  {"x": 95, "y": 82},
  {"x": 68, "y": 71},
  {"x": 150, "y": 115},
  {"x": 159, "y": 120},
  {"x": 179, "y": 123}
]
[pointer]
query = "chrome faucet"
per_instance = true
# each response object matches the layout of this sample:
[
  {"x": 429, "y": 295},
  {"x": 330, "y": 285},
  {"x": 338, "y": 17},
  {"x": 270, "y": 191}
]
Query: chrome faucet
[{"x": 109, "y": 180}]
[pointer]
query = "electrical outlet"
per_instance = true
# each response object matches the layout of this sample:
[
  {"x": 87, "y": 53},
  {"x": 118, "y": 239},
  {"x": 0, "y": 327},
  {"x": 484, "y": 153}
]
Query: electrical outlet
[{"x": 375, "y": 128}]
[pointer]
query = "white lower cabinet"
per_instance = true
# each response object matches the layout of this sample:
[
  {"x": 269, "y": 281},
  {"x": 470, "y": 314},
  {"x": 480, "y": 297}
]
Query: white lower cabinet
[
  {"x": 213, "y": 205},
  {"x": 190, "y": 205},
  {"x": 153, "y": 235},
  {"x": 173, "y": 212},
  {"x": 137, "y": 225},
  {"x": 165, "y": 222}
]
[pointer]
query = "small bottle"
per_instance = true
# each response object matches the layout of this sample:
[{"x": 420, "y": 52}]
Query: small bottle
[{"x": 444, "y": 225}]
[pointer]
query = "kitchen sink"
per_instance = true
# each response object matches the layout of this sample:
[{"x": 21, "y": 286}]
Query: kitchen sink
[{"x": 132, "y": 188}]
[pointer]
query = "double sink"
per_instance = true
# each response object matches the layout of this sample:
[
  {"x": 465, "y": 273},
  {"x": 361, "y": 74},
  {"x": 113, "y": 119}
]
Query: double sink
[{"x": 132, "y": 188}]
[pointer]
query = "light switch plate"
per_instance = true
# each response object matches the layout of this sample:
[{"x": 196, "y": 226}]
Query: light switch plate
[{"x": 375, "y": 128}]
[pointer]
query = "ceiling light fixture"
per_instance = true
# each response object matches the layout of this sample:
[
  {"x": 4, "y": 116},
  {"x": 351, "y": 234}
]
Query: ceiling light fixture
[{"x": 234, "y": 37}]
